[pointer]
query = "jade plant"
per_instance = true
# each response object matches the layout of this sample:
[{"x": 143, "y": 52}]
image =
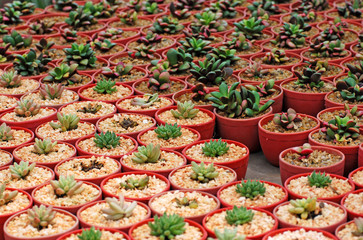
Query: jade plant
[
  {"x": 309, "y": 79},
  {"x": 66, "y": 122},
  {"x": 63, "y": 74},
  {"x": 118, "y": 208},
  {"x": 196, "y": 47},
  {"x": 26, "y": 108},
  {"x": 179, "y": 60},
  {"x": 211, "y": 72},
  {"x": 200, "y": 93},
  {"x": 40, "y": 217},
  {"x": 17, "y": 41},
  {"x": 289, "y": 120},
  {"x": 90, "y": 108},
  {"x": 21, "y": 170},
  {"x": 45, "y": 146},
  {"x": 215, "y": 148},
  {"x": 251, "y": 189},
  {"x": 91, "y": 234},
  {"x": 351, "y": 9},
  {"x": 151, "y": 99},
  {"x": 166, "y": 25},
  {"x": 319, "y": 180},
  {"x": 328, "y": 49},
  {"x": 147, "y": 154},
  {"x": 107, "y": 140},
  {"x": 80, "y": 54},
  {"x": 159, "y": 81},
  {"x": 203, "y": 174},
  {"x": 264, "y": 89},
  {"x": 6, "y": 133},
  {"x": 239, "y": 216},
  {"x": 167, "y": 227},
  {"x": 226, "y": 55},
  {"x": 185, "y": 110},
  {"x": 80, "y": 18},
  {"x": 276, "y": 56},
  {"x": 350, "y": 89},
  {"x": 134, "y": 183},
  {"x": 211, "y": 20},
  {"x": 341, "y": 130},
  {"x": 228, "y": 234},
  {"x": 6, "y": 197},
  {"x": 51, "y": 91},
  {"x": 65, "y": 5},
  {"x": 255, "y": 70},
  {"x": 168, "y": 131},
  {"x": 304, "y": 208},
  {"x": 10, "y": 79},
  {"x": 67, "y": 186},
  {"x": 263, "y": 7},
  {"x": 290, "y": 36}
]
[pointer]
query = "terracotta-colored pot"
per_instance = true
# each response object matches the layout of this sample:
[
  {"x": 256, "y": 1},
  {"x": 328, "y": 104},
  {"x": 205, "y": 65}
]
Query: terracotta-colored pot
[
  {"x": 125, "y": 83},
  {"x": 330, "y": 228},
  {"x": 287, "y": 170},
  {"x": 335, "y": 199},
  {"x": 70, "y": 141},
  {"x": 50, "y": 165},
  {"x": 264, "y": 65},
  {"x": 341, "y": 227},
  {"x": 350, "y": 152},
  {"x": 4, "y": 217},
  {"x": 330, "y": 78},
  {"x": 138, "y": 92},
  {"x": 148, "y": 112},
  {"x": 351, "y": 214},
  {"x": 279, "y": 231},
  {"x": 178, "y": 149},
  {"x": 206, "y": 130},
  {"x": 182, "y": 92},
  {"x": 335, "y": 60},
  {"x": 255, "y": 237},
  {"x": 10, "y": 149},
  {"x": 71, "y": 209},
  {"x": 212, "y": 190},
  {"x": 75, "y": 89},
  {"x": 357, "y": 185},
  {"x": 96, "y": 180},
  {"x": 120, "y": 55},
  {"x": 65, "y": 236},
  {"x": 239, "y": 165},
  {"x": 269, "y": 208},
  {"x": 51, "y": 237},
  {"x": 197, "y": 218},
  {"x": 9, "y": 162}
]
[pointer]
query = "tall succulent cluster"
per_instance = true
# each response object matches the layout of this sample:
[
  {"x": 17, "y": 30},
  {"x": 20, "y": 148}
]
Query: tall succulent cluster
[
  {"x": 30, "y": 64},
  {"x": 167, "y": 226},
  {"x": 276, "y": 56},
  {"x": 118, "y": 208},
  {"x": 44, "y": 146},
  {"x": 290, "y": 36},
  {"x": 196, "y": 47},
  {"x": 107, "y": 140},
  {"x": 40, "y": 217},
  {"x": 134, "y": 183},
  {"x": 10, "y": 79},
  {"x": 185, "y": 110},
  {"x": 251, "y": 189},
  {"x": 304, "y": 208},
  {"x": 168, "y": 131},
  {"x": 6, "y": 133},
  {"x": 21, "y": 170},
  {"x": 6, "y": 197},
  {"x": 319, "y": 180},
  {"x": 202, "y": 173},
  {"x": 17, "y": 41},
  {"x": 289, "y": 120},
  {"x": 264, "y": 89},
  {"x": 66, "y": 122},
  {"x": 215, "y": 148},
  {"x": 341, "y": 129},
  {"x": 211, "y": 20},
  {"x": 147, "y": 154},
  {"x": 26, "y": 108},
  {"x": 159, "y": 81},
  {"x": 309, "y": 78},
  {"x": 167, "y": 25},
  {"x": 80, "y": 54},
  {"x": 67, "y": 186},
  {"x": 239, "y": 216}
]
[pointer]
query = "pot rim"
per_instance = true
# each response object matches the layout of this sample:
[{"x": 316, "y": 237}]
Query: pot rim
[
  {"x": 354, "y": 172},
  {"x": 18, "y": 211}
]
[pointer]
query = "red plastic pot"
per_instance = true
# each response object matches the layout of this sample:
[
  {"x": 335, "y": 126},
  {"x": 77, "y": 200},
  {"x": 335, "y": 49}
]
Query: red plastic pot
[
  {"x": 255, "y": 237},
  {"x": 138, "y": 92},
  {"x": 335, "y": 199},
  {"x": 89, "y": 33},
  {"x": 332, "y": 109},
  {"x": 182, "y": 92},
  {"x": 351, "y": 214},
  {"x": 75, "y": 89},
  {"x": 10, "y": 149},
  {"x": 51, "y": 237},
  {"x": 288, "y": 54},
  {"x": 330, "y": 228},
  {"x": 287, "y": 170},
  {"x": 276, "y": 232},
  {"x": 336, "y": 61},
  {"x": 9, "y": 162},
  {"x": 330, "y": 78},
  {"x": 125, "y": 83},
  {"x": 48, "y": 15},
  {"x": 9, "y": 109},
  {"x": 238, "y": 165},
  {"x": 212, "y": 190},
  {"x": 329, "y": 103},
  {"x": 56, "y": 106},
  {"x": 119, "y": 175},
  {"x": 92, "y": 71},
  {"x": 71, "y": 209},
  {"x": 197, "y": 218},
  {"x": 159, "y": 51},
  {"x": 30, "y": 189},
  {"x": 35, "y": 77},
  {"x": 206, "y": 130},
  {"x": 21, "y": 94},
  {"x": 50, "y": 165},
  {"x": 341, "y": 227},
  {"x": 350, "y": 152},
  {"x": 277, "y": 82},
  {"x": 96, "y": 180},
  {"x": 360, "y": 156},
  {"x": 267, "y": 207},
  {"x": 177, "y": 149},
  {"x": 148, "y": 112},
  {"x": 113, "y": 63},
  {"x": 191, "y": 223},
  {"x": 4, "y": 217},
  {"x": 357, "y": 185},
  {"x": 65, "y": 236},
  {"x": 36, "y": 36},
  {"x": 70, "y": 141}
]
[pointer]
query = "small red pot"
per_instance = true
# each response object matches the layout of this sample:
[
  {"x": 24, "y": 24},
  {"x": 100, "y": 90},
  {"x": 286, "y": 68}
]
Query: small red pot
[
  {"x": 198, "y": 218},
  {"x": 70, "y": 141},
  {"x": 239, "y": 165},
  {"x": 92, "y": 71},
  {"x": 143, "y": 200},
  {"x": 256, "y": 237},
  {"x": 10, "y": 149},
  {"x": 50, "y": 165},
  {"x": 9, "y": 162},
  {"x": 330, "y": 228},
  {"x": 178, "y": 149},
  {"x": 96, "y": 180},
  {"x": 71, "y": 209},
  {"x": 267, "y": 207},
  {"x": 127, "y": 39},
  {"x": 277, "y": 82},
  {"x": 206, "y": 130},
  {"x": 360, "y": 156},
  {"x": 89, "y": 33},
  {"x": 336, "y": 61},
  {"x": 351, "y": 214},
  {"x": 182, "y": 92},
  {"x": 357, "y": 185},
  {"x": 332, "y": 109},
  {"x": 56, "y": 106},
  {"x": 276, "y": 232},
  {"x": 329, "y": 103},
  {"x": 335, "y": 199},
  {"x": 65, "y": 236},
  {"x": 5, "y": 217},
  {"x": 47, "y": 15},
  {"x": 75, "y": 89},
  {"x": 159, "y": 51},
  {"x": 288, "y": 54},
  {"x": 330, "y": 78},
  {"x": 288, "y": 170},
  {"x": 8, "y": 109},
  {"x": 125, "y": 83},
  {"x": 148, "y": 112},
  {"x": 51, "y": 237},
  {"x": 137, "y": 92},
  {"x": 113, "y": 63},
  {"x": 18, "y": 96},
  {"x": 350, "y": 152},
  {"x": 341, "y": 227}
]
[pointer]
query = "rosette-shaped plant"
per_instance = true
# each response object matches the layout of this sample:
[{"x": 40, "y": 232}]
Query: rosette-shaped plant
[
  {"x": 141, "y": 51},
  {"x": 276, "y": 56},
  {"x": 264, "y": 89},
  {"x": 185, "y": 110},
  {"x": 211, "y": 72},
  {"x": 290, "y": 36},
  {"x": 304, "y": 208},
  {"x": 63, "y": 74},
  {"x": 4, "y": 55},
  {"x": 317, "y": 5},
  {"x": 357, "y": 70},
  {"x": 67, "y": 186},
  {"x": 21, "y": 170},
  {"x": 80, "y": 54},
  {"x": 120, "y": 70},
  {"x": 151, "y": 8},
  {"x": 51, "y": 91},
  {"x": 80, "y": 18},
  {"x": 127, "y": 123},
  {"x": 133, "y": 183},
  {"x": 199, "y": 32},
  {"x": 238, "y": 43},
  {"x": 299, "y": 20},
  {"x": 90, "y": 108},
  {"x": 9, "y": 15},
  {"x": 183, "y": 14},
  {"x": 69, "y": 35},
  {"x": 288, "y": 120},
  {"x": 107, "y": 140},
  {"x": 6, "y": 197},
  {"x": 44, "y": 146},
  {"x": 91, "y": 234},
  {"x": 40, "y": 217},
  {"x": 66, "y": 122},
  {"x": 215, "y": 148},
  {"x": 105, "y": 87},
  {"x": 110, "y": 33},
  {"x": 227, "y": 8},
  {"x": 304, "y": 151},
  {"x": 6, "y": 133},
  {"x": 167, "y": 25},
  {"x": 319, "y": 180},
  {"x": 179, "y": 61},
  {"x": 251, "y": 189},
  {"x": 226, "y": 55},
  {"x": 118, "y": 208},
  {"x": 255, "y": 70},
  {"x": 103, "y": 45},
  {"x": 185, "y": 202},
  {"x": 10, "y": 79},
  {"x": 309, "y": 78},
  {"x": 147, "y": 154},
  {"x": 41, "y": 27},
  {"x": 24, "y": 7},
  {"x": 200, "y": 93},
  {"x": 152, "y": 98},
  {"x": 17, "y": 41},
  {"x": 228, "y": 234},
  {"x": 333, "y": 32},
  {"x": 239, "y": 216},
  {"x": 351, "y": 112},
  {"x": 159, "y": 81},
  {"x": 258, "y": 9},
  {"x": 167, "y": 226},
  {"x": 341, "y": 129},
  {"x": 202, "y": 173},
  {"x": 196, "y": 47},
  {"x": 168, "y": 131},
  {"x": 26, "y": 108},
  {"x": 211, "y": 20},
  {"x": 102, "y": 9},
  {"x": 150, "y": 38}
]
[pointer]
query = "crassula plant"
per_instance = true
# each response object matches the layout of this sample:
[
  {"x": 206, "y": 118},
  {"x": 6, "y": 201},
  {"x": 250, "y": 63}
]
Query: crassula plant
[
  {"x": 226, "y": 55},
  {"x": 128, "y": 17},
  {"x": 211, "y": 20},
  {"x": 103, "y": 45},
  {"x": 290, "y": 36},
  {"x": 196, "y": 47},
  {"x": 143, "y": 51},
  {"x": 63, "y": 74},
  {"x": 80, "y": 18},
  {"x": 328, "y": 49},
  {"x": 239, "y": 43},
  {"x": 24, "y": 7},
  {"x": 168, "y": 131},
  {"x": 9, "y": 15},
  {"x": 120, "y": 70},
  {"x": 69, "y": 35},
  {"x": 264, "y": 89},
  {"x": 30, "y": 64},
  {"x": 251, "y": 28},
  {"x": 309, "y": 79},
  {"x": 341, "y": 129},
  {"x": 17, "y": 41},
  {"x": 251, "y": 189},
  {"x": 276, "y": 56},
  {"x": 105, "y": 87},
  {"x": 349, "y": 88},
  {"x": 80, "y": 54},
  {"x": 159, "y": 81},
  {"x": 147, "y": 154},
  {"x": 202, "y": 173},
  {"x": 166, "y": 25},
  {"x": 107, "y": 140},
  {"x": 150, "y": 38},
  {"x": 288, "y": 120},
  {"x": 333, "y": 32}
]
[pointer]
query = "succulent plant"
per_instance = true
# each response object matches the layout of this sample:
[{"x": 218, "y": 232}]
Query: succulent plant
[
  {"x": 168, "y": 131},
  {"x": 24, "y": 7},
  {"x": 135, "y": 5},
  {"x": 239, "y": 42},
  {"x": 91, "y": 234},
  {"x": 255, "y": 70},
  {"x": 21, "y": 170},
  {"x": 318, "y": 65},
  {"x": 150, "y": 38},
  {"x": 90, "y": 108},
  {"x": 333, "y": 32},
  {"x": 264, "y": 89},
  {"x": 6, "y": 133},
  {"x": 127, "y": 123},
  {"x": 356, "y": 70},
  {"x": 110, "y": 33},
  {"x": 304, "y": 208},
  {"x": 226, "y": 55},
  {"x": 65, "y": 5},
  {"x": 299, "y": 19},
  {"x": 309, "y": 78},
  {"x": 179, "y": 61},
  {"x": 159, "y": 81},
  {"x": 147, "y": 154},
  {"x": 63, "y": 74},
  {"x": 10, "y": 79},
  {"x": 69, "y": 35},
  {"x": 289, "y": 120},
  {"x": 276, "y": 56},
  {"x": 258, "y": 9},
  {"x": 4, "y": 55},
  {"x": 107, "y": 140},
  {"x": 349, "y": 88},
  {"x": 317, "y": 5},
  {"x": 66, "y": 186},
  {"x": 203, "y": 174},
  {"x": 30, "y": 64},
  {"x": 227, "y": 8},
  {"x": 44, "y": 146},
  {"x": 189, "y": 4},
  {"x": 105, "y": 87},
  {"x": 40, "y": 217},
  {"x": 196, "y": 47},
  {"x": 6, "y": 197},
  {"x": 239, "y": 216},
  {"x": 228, "y": 234},
  {"x": 10, "y": 15},
  {"x": 328, "y": 49},
  {"x": 26, "y": 108},
  {"x": 215, "y": 148},
  {"x": 103, "y": 45},
  {"x": 17, "y": 41},
  {"x": 185, "y": 202},
  {"x": 151, "y": 8},
  {"x": 66, "y": 122},
  {"x": 51, "y": 91},
  {"x": 80, "y": 18},
  {"x": 304, "y": 151},
  {"x": 129, "y": 17},
  {"x": 45, "y": 47},
  {"x": 200, "y": 93},
  {"x": 132, "y": 183},
  {"x": 80, "y": 54},
  {"x": 351, "y": 9},
  {"x": 351, "y": 112},
  {"x": 251, "y": 189},
  {"x": 167, "y": 25},
  {"x": 211, "y": 20},
  {"x": 117, "y": 72},
  {"x": 341, "y": 129},
  {"x": 359, "y": 223},
  {"x": 151, "y": 99},
  {"x": 290, "y": 36},
  {"x": 185, "y": 110},
  {"x": 166, "y": 227},
  {"x": 103, "y": 9},
  {"x": 40, "y": 27},
  {"x": 319, "y": 180},
  {"x": 199, "y": 32},
  {"x": 183, "y": 14},
  {"x": 143, "y": 51},
  {"x": 118, "y": 208}
]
